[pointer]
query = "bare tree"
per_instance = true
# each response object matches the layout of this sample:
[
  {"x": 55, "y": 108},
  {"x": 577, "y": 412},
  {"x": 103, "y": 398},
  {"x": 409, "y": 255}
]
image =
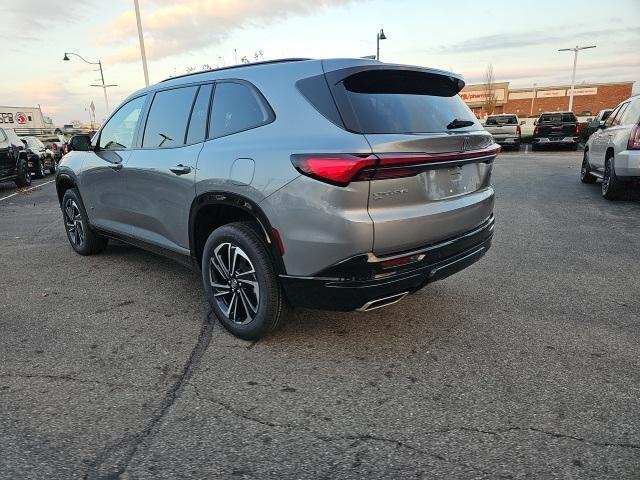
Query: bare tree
[{"x": 489, "y": 98}]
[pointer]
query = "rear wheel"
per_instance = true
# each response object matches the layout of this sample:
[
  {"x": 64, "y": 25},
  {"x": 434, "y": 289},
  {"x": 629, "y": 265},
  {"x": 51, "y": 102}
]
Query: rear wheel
[
  {"x": 534, "y": 147},
  {"x": 38, "y": 167},
  {"x": 23, "y": 177},
  {"x": 240, "y": 281},
  {"x": 585, "y": 171},
  {"x": 574, "y": 147},
  {"x": 82, "y": 238},
  {"x": 612, "y": 187},
  {"x": 52, "y": 168}
]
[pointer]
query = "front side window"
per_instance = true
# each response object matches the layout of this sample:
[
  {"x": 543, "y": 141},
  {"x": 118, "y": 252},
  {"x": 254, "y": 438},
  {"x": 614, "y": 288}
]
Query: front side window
[
  {"x": 612, "y": 117},
  {"x": 168, "y": 117},
  {"x": 236, "y": 107},
  {"x": 118, "y": 132}
]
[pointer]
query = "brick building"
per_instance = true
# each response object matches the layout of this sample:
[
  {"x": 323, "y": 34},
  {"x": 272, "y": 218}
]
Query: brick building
[{"x": 588, "y": 99}]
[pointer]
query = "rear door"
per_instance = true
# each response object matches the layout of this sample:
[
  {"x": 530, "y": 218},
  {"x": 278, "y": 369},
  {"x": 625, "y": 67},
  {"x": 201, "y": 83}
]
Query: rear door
[
  {"x": 432, "y": 181},
  {"x": 6, "y": 157}
]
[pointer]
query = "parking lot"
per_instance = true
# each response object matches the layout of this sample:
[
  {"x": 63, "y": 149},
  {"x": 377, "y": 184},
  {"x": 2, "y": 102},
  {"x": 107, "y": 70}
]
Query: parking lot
[{"x": 526, "y": 365}]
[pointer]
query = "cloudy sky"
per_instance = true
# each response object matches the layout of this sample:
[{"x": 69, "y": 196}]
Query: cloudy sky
[{"x": 519, "y": 39}]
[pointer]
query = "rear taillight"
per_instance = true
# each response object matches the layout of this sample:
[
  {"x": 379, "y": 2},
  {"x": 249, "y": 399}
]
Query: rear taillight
[
  {"x": 536, "y": 130},
  {"x": 518, "y": 130},
  {"x": 343, "y": 169},
  {"x": 577, "y": 128},
  {"x": 65, "y": 149},
  {"x": 634, "y": 138},
  {"x": 54, "y": 147},
  {"x": 335, "y": 169}
]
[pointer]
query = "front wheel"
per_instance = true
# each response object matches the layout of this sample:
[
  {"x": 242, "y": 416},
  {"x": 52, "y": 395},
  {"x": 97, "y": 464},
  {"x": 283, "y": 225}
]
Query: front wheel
[
  {"x": 23, "y": 177},
  {"x": 82, "y": 238},
  {"x": 38, "y": 166},
  {"x": 240, "y": 281}
]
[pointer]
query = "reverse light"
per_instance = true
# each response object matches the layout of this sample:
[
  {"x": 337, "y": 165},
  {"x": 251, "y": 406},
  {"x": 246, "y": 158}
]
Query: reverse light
[
  {"x": 634, "y": 138},
  {"x": 577, "y": 128},
  {"x": 536, "y": 130},
  {"x": 518, "y": 130}
]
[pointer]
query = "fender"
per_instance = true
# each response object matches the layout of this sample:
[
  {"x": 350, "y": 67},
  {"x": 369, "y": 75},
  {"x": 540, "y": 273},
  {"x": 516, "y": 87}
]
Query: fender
[
  {"x": 64, "y": 176},
  {"x": 224, "y": 198}
]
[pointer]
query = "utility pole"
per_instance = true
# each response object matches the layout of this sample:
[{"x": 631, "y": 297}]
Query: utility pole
[
  {"x": 532, "y": 100},
  {"x": 141, "y": 38},
  {"x": 575, "y": 51},
  {"x": 102, "y": 85}
]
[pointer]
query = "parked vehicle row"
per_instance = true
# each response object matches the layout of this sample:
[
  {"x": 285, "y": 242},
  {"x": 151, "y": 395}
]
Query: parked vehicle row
[
  {"x": 271, "y": 178},
  {"x": 612, "y": 153},
  {"x": 14, "y": 163}
]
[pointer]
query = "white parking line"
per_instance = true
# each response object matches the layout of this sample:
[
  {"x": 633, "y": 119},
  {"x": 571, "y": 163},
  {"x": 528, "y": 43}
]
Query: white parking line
[
  {"x": 526, "y": 149},
  {"x": 26, "y": 190}
]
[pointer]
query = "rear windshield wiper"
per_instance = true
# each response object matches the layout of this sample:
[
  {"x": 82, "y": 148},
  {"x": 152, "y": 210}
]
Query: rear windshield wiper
[{"x": 455, "y": 123}]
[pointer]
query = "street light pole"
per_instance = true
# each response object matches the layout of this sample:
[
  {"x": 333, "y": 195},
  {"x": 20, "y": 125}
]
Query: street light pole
[
  {"x": 575, "y": 51},
  {"x": 141, "y": 39},
  {"x": 532, "y": 100},
  {"x": 379, "y": 36},
  {"x": 103, "y": 85}
]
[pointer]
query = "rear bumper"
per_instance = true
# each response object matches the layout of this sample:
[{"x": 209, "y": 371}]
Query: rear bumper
[
  {"x": 627, "y": 163},
  {"x": 556, "y": 140},
  {"x": 363, "y": 282},
  {"x": 507, "y": 140}
]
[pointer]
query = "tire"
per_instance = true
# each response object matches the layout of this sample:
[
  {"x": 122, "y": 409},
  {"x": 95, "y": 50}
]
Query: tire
[
  {"x": 248, "y": 302},
  {"x": 52, "y": 168},
  {"x": 38, "y": 167},
  {"x": 574, "y": 147},
  {"x": 23, "y": 177},
  {"x": 82, "y": 238},
  {"x": 585, "y": 170},
  {"x": 534, "y": 147},
  {"x": 612, "y": 187}
]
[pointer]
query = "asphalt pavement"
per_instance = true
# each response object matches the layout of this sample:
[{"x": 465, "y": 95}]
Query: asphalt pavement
[{"x": 525, "y": 365}]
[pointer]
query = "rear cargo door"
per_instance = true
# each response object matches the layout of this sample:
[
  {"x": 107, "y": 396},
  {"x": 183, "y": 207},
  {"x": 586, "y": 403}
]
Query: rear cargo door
[
  {"x": 558, "y": 125},
  {"x": 432, "y": 180}
]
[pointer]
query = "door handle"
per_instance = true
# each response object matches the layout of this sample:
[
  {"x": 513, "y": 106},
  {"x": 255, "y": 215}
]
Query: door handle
[
  {"x": 181, "y": 169},
  {"x": 116, "y": 166}
]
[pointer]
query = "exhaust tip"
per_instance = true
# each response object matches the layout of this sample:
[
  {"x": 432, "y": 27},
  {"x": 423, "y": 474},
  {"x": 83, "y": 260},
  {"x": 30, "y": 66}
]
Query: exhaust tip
[{"x": 382, "y": 302}]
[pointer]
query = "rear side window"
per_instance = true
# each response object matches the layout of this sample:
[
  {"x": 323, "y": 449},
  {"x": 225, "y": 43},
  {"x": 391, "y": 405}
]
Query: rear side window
[
  {"x": 401, "y": 101},
  {"x": 632, "y": 115},
  {"x": 618, "y": 118},
  {"x": 558, "y": 118},
  {"x": 237, "y": 107},
  {"x": 167, "y": 121}
]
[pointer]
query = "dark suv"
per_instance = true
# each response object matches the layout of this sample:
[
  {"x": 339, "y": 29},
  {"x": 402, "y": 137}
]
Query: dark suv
[
  {"x": 13, "y": 159},
  {"x": 556, "y": 129},
  {"x": 336, "y": 184}
]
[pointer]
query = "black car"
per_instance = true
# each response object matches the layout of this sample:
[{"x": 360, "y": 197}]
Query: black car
[
  {"x": 560, "y": 129},
  {"x": 14, "y": 165},
  {"x": 40, "y": 158}
]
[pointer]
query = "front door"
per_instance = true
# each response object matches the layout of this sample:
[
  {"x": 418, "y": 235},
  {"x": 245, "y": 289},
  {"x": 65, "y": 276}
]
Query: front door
[
  {"x": 103, "y": 188},
  {"x": 160, "y": 175}
]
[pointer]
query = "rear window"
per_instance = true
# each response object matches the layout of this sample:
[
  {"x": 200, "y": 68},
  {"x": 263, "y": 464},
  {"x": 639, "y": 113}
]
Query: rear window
[
  {"x": 401, "y": 101},
  {"x": 558, "y": 118},
  {"x": 503, "y": 120}
]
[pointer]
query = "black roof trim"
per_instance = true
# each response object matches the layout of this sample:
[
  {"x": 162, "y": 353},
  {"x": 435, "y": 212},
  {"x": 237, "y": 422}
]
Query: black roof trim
[{"x": 266, "y": 62}]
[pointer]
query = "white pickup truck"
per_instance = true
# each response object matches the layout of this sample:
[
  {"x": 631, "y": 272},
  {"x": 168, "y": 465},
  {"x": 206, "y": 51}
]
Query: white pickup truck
[{"x": 505, "y": 130}]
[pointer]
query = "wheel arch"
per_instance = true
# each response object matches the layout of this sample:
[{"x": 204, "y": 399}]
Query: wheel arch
[
  {"x": 211, "y": 210},
  {"x": 64, "y": 182}
]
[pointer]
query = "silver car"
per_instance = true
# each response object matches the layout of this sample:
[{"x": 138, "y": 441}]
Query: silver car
[
  {"x": 613, "y": 151},
  {"x": 335, "y": 184}
]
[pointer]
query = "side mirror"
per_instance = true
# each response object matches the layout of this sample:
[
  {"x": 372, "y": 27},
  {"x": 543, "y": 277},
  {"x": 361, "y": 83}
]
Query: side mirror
[
  {"x": 81, "y": 143},
  {"x": 595, "y": 124},
  {"x": 535, "y": 122},
  {"x": 522, "y": 122}
]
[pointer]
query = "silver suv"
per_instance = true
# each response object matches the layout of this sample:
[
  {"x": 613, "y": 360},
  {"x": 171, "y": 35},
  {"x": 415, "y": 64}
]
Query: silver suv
[
  {"x": 334, "y": 184},
  {"x": 613, "y": 151}
]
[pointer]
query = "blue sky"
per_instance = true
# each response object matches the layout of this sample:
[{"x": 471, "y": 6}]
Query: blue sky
[{"x": 519, "y": 39}]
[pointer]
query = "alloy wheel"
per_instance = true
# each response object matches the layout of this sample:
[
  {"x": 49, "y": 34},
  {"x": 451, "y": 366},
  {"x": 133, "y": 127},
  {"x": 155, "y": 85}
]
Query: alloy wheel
[
  {"x": 583, "y": 170},
  {"x": 234, "y": 283},
  {"x": 73, "y": 222}
]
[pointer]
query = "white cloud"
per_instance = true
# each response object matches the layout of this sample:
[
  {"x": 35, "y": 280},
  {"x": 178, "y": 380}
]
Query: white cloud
[{"x": 175, "y": 28}]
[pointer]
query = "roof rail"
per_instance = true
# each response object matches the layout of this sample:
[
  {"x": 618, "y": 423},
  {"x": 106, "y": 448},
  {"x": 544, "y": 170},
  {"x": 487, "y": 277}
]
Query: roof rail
[{"x": 266, "y": 62}]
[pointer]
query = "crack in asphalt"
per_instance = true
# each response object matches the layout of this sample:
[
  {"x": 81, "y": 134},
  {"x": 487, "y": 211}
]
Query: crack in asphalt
[
  {"x": 68, "y": 378},
  {"x": 128, "y": 446},
  {"x": 328, "y": 438}
]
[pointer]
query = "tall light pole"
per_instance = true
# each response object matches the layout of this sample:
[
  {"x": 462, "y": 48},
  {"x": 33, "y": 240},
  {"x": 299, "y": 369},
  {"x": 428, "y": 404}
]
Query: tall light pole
[
  {"x": 533, "y": 99},
  {"x": 103, "y": 86},
  {"x": 141, "y": 38},
  {"x": 380, "y": 36},
  {"x": 575, "y": 51}
]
